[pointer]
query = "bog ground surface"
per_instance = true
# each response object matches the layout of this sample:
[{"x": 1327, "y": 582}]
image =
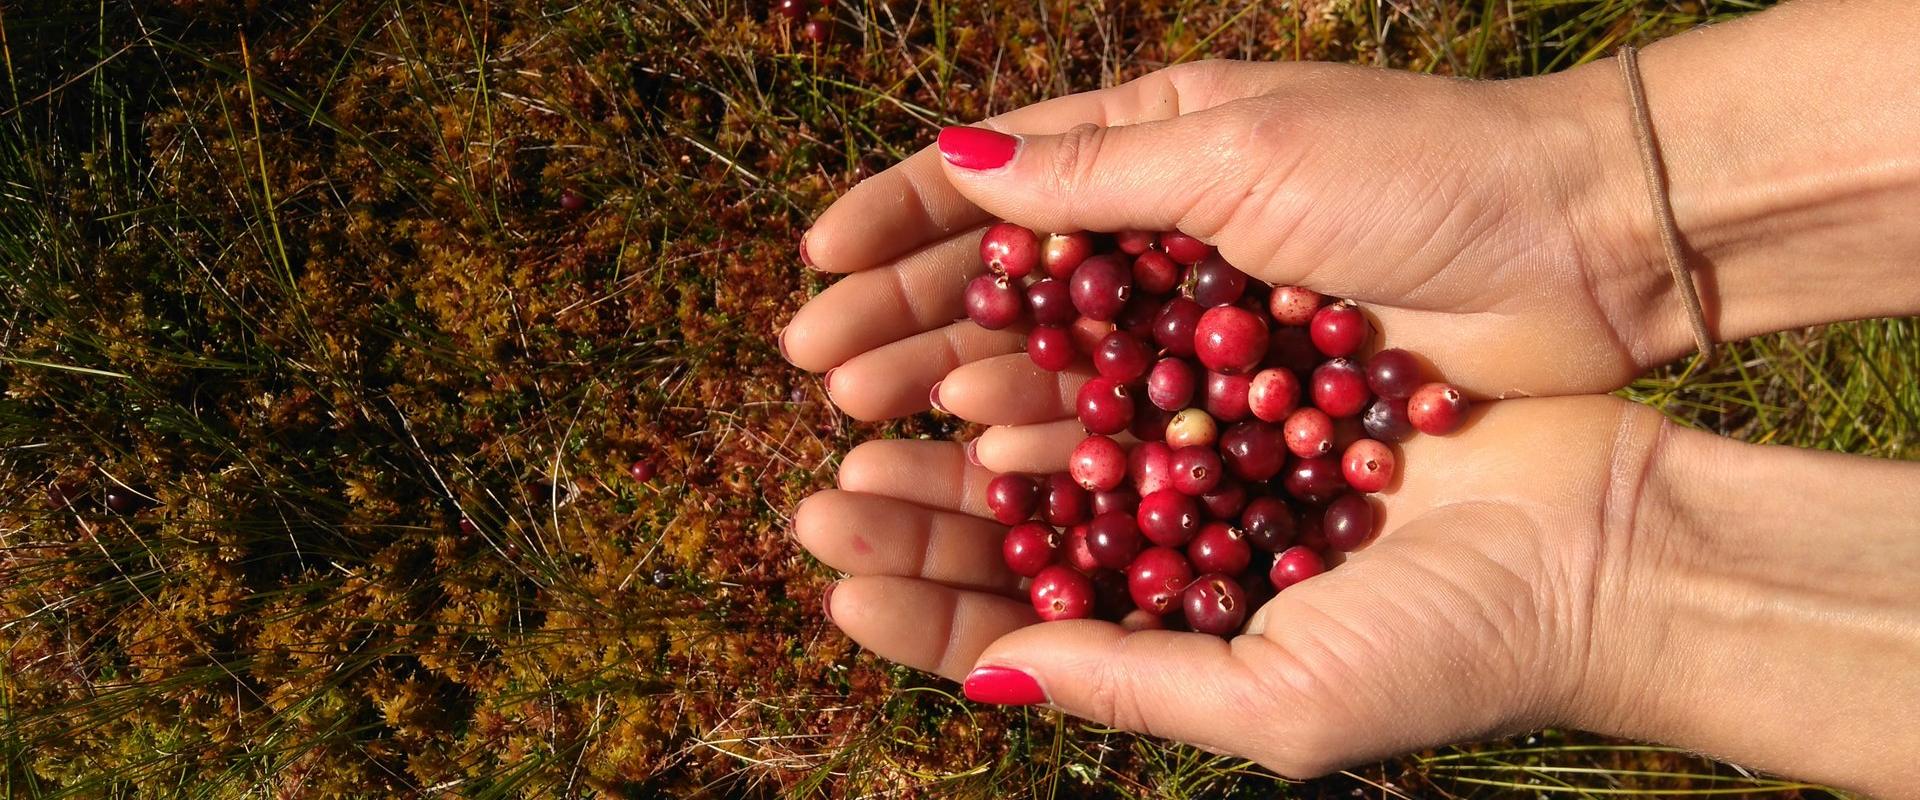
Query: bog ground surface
[{"x": 293, "y": 284}]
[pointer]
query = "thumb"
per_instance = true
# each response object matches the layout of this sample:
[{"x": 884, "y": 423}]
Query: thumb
[{"x": 1187, "y": 173}]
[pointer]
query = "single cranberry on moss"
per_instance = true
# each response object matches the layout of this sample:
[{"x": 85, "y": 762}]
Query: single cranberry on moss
[
  {"x": 123, "y": 500},
  {"x": 817, "y": 31},
  {"x": 572, "y": 200},
  {"x": 641, "y": 470}
]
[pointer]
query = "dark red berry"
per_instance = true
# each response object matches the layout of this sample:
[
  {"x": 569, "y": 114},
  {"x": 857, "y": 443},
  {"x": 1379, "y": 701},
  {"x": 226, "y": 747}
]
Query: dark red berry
[
  {"x": 1051, "y": 302},
  {"x": 1230, "y": 339},
  {"x": 1315, "y": 480},
  {"x": 1196, "y": 470},
  {"x": 1269, "y": 523},
  {"x": 1253, "y": 450},
  {"x": 1063, "y": 252},
  {"x": 1348, "y": 522},
  {"x": 1220, "y": 547},
  {"x": 791, "y": 9},
  {"x": 1295, "y": 564},
  {"x": 1074, "y": 551},
  {"x": 1339, "y": 388},
  {"x": 1386, "y": 420},
  {"x": 1101, "y": 287},
  {"x": 1050, "y": 348},
  {"x": 1215, "y": 604},
  {"x": 1226, "y": 500},
  {"x": 1137, "y": 317},
  {"x": 1134, "y": 243},
  {"x": 1155, "y": 273},
  {"x": 1029, "y": 548},
  {"x": 1061, "y": 593},
  {"x": 1183, "y": 248},
  {"x": 1012, "y": 498},
  {"x": 1114, "y": 539},
  {"x": 993, "y": 302},
  {"x": 122, "y": 500},
  {"x": 817, "y": 31},
  {"x": 1175, "y": 327},
  {"x": 1227, "y": 396},
  {"x": 1168, "y": 518},
  {"x": 1170, "y": 384},
  {"x": 1340, "y": 329},
  {"x": 1367, "y": 465},
  {"x": 1292, "y": 349},
  {"x": 1437, "y": 409},
  {"x": 1105, "y": 406},
  {"x": 1272, "y": 394},
  {"x": 1192, "y": 427},
  {"x": 1293, "y": 305},
  {"x": 1121, "y": 357},
  {"x": 1150, "y": 467},
  {"x": 641, "y": 470},
  {"x": 1149, "y": 422},
  {"x": 1098, "y": 463},
  {"x": 1067, "y": 502},
  {"x": 1394, "y": 373},
  {"x": 1309, "y": 432},
  {"x": 1217, "y": 283},
  {"x": 1010, "y": 249},
  {"x": 467, "y": 527},
  {"x": 571, "y": 200},
  {"x": 1122, "y": 499},
  {"x": 1157, "y": 577}
]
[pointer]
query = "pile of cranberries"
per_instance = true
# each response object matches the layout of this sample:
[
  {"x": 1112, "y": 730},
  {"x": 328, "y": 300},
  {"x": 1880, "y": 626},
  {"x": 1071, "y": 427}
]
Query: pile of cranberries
[{"x": 1260, "y": 430}]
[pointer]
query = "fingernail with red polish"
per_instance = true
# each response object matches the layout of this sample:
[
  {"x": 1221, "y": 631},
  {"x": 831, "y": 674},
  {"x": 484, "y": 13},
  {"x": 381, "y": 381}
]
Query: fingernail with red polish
[
  {"x": 973, "y": 452},
  {"x": 1003, "y": 686},
  {"x": 826, "y": 600},
  {"x": 977, "y": 148},
  {"x": 933, "y": 399}
]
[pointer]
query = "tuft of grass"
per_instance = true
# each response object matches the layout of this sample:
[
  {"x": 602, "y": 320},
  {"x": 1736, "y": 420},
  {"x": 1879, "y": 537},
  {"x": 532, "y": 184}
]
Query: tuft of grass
[{"x": 297, "y": 272}]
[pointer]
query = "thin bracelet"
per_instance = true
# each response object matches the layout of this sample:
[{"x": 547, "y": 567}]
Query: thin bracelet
[{"x": 1662, "y": 203}]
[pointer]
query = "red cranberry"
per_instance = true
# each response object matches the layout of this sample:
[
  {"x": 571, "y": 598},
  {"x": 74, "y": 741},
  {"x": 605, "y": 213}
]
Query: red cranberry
[
  {"x": 791, "y": 9},
  {"x": 1215, "y": 604},
  {"x": 1157, "y": 577},
  {"x": 1272, "y": 394},
  {"x": 1050, "y": 348},
  {"x": 1067, "y": 503},
  {"x": 1111, "y": 599},
  {"x": 1192, "y": 428},
  {"x": 1437, "y": 409},
  {"x": 1149, "y": 422},
  {"x": 1114, "y": 539},
  {"x": 1010, "y": 249},
  {"x": 467, "y": 527},
  {"x": 1183, "y": 248},
  {"x": 1295, "y": 564},
  {"x": 61, "y": 494},
  {"x": 1293, "y": 305},
  {"x": 1386, "y": 420},
  {"x": 817, "y": 31},
  {"x": 1063, "y": 252},
  {"x": 1012, "y": 498},
  {"x": 1170, "y": 384},
  {"x": 1174, "y": 330},
  {"x": 1367, "y": 465},
  {"x": 1253, "y": 451},
  {"x": 1292, "y": 349},
  {"x": 1075, "y": 553},
  {"x": 121, "y": 500},
  {"x": 1230, "y": 339},
  {"x": 1134, "y": 243},
  {"x": 1309, "y": 432},
  {"x": 1348, "y": 522},
  {"x": 1269, "y": 523},
  {"x": 1339, "y": 388},
  {"x": 1217, "y": 283},
  {"x": 1394, "y": 373},
  {"x": 993, "y": 302},
  {"x": 1098, "y": 464},
  {"x": 641, "y": 470},
  {"x": 1155, "y": 273},
  {"x": 1226, "y": 500},
  {"x": 1220, "y": 547},
  {"x": 571, "y": 200},
  {"x": 1310, "y": 534},
  {"x": 1150, "y": 467},
  {"x": 1168, "y": 518},
  {"x": 1029, "y": 548},
  {"x": 1137, "y": 317},
  {"x": 1051, "y": 302},
  {"x": 1121, "y": 357},
  {"x": 1061, "y": 593},
  {"x": 1315, "y": 480},
  {"x": 1101, "y": 286},
  {"x": 1105, "y": 406},
  {"x": 1340, "y": 329},
  {"x": 1227, "y": 396},
  {"x": 1196, "y": 470},
  {"x": 1122, "y": 499}
]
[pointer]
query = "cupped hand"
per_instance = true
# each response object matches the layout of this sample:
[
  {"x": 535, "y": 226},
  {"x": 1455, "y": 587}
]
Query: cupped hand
[
  {"x": 1477, "y": 611},
  {"x": 1464, "y": 215}
]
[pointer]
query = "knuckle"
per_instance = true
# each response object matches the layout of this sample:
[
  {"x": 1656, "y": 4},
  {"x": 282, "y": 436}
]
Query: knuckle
[
  {"x": 1076, "y": 156},
  {"x": 1114, "y": 701}
]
